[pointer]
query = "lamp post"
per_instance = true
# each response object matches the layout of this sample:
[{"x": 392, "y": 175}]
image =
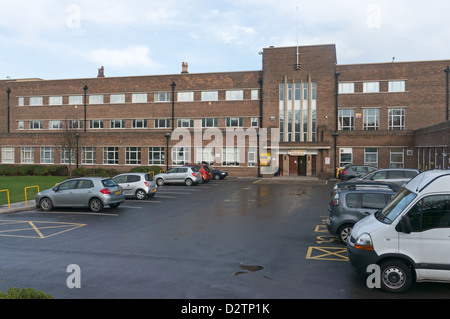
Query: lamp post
[
  {"x": 85, "y": 89},
  {"x": 167, "y": 151},
  {"x": 173, "y": 85},
  {"x": 447, "y": 71}
]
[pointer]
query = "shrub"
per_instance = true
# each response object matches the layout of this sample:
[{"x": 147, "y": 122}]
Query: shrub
[
  {"x": 25, "y": 293},
  {"x": 146, "y": 169}
]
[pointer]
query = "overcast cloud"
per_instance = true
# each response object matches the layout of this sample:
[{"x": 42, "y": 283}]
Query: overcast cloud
[{"x": 72, "y": 39}]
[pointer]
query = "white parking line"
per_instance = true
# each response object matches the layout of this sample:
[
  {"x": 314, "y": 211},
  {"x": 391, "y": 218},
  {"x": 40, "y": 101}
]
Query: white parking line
[{"x": 79, "y": 213}]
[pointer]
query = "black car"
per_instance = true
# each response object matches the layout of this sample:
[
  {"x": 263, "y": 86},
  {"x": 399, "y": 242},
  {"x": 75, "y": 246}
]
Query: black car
[{"x": 217, "y": 174}]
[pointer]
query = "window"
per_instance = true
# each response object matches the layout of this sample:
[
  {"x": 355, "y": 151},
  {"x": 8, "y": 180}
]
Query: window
[
  {"x": 96, "y": 99},
  {"x": 346, "y": 88},
  {"x": 162, "y": 123},
  {"x": 133, "y": 156},
  {"x": 205, "y": 155},
  {"x": 55, "y": 125},
  {"x": 371, "y": 156},
  {"x": 20, "y": 125},
  {"x": 235, "y": 95},
  {"x": 234, "y": 122},
  {"x": 373, "y": 201},
  {"x": 27, "y": 155},
  {"x": 230, "y": 156},
  {"x": 117, "y": 123},
  {"x": 36, "y": 100},
  {"x": 68, "y": 155},
  {"x": 397, "y": 86},
  {"x": 209, "y": 122},
  {"x": 47, "y": 155},
  {"x": 7, "y": 155},
  {"x": 346, "y": 120},
  {"x": 75, "y": 124},
  {"x": 185, "y": 122},
  {"x": 110, "y": 155},
  {"x": 88, "y": 155},
  {"x": 371, "y": 119},
  {"x": 75, "y": 99},
  {"x": 251, "y": 156},
  {"x": 430, "y": 213},
  {"x": 139, "y": 98},
  {"x": 55, "y": 100},
  {"x": 21, "y": 102},
  {"x": 397, "y": 157},
  {"x": 254, "y": 94},
  {"x": 36, "y": 125},
  {"x": 185, "y": 96},
  {"x": 156, "y": 156},
  {"x": 254, "y": 122},
  {"x": 396, "y": 119},
  {"x": 371, "y": 87},
  {"x": 139, "y": 123},
  {"x": 180, "y": 155},
  {"x": 162, "y": 97},
  {"x": 117, "y": 98},
  {"x": 95, "y": 124},
  {"x": 345, "y": 156}
]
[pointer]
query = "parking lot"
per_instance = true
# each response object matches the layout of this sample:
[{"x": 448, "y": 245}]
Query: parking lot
[{"x": 237, "y": 238}]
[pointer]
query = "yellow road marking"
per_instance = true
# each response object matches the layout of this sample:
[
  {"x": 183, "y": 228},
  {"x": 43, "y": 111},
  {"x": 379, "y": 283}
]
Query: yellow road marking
[
  {"x": 43, "y": 229},
  {"x": 327, "y": 253}
]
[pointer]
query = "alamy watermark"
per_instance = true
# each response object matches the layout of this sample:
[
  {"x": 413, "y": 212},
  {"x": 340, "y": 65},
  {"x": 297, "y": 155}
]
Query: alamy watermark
[{"x": 74, "y": 279}]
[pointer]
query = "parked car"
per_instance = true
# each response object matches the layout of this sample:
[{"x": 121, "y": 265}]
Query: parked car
[
  {"x": 138, "y": 185},
  {"x": 355, "y": 183},
  {"x": 409, "y": 238},
  {"x": 350, "y": 205},
  {"x": 186, "y": 174},
  {"x": 91, "y": 192},
  {"x": 398, "y": 176},
  {"x": 352, "y": 171},
  {"x": 204, "y": 170},
  {"x": 218, "y": 174}
]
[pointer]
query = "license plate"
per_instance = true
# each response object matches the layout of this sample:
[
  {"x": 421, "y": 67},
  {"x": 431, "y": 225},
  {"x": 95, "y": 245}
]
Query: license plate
[{"x": 117, "y": 192}]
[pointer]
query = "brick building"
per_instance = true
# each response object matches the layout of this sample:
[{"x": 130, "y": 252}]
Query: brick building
[{"x": 312, "y": 115}]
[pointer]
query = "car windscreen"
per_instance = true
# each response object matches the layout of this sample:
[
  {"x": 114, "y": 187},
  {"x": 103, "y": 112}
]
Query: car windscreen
[
  {"x": 108, "y": 183},
  {"x": 395, "y": 206}
]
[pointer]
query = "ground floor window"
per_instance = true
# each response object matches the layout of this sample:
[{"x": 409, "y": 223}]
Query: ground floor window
[
  {"x": 27, "y": 155},
  {"x": 397, "y": 157},
  {"x": 156, "y": 155},
  {"x": 180, "y": 155},
  {"x": 133, "y": 156},
  {"x": 68, "y": 155},
  {"x": 47, "y": 155},
  {"x": 110, "y": 155},
  {"x": 88, "y": 155},
  {"x": 230, "y": 156},
  {"x": 345, "y": 156},
  {"x": 8, "y": 155},
  {"x": 371, "y": 156}
]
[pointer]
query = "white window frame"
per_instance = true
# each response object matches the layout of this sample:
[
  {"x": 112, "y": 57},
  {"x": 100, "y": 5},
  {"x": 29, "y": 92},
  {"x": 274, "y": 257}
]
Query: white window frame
[
  {"x": 47, "y": 155},
  {"x": 36, "y": 100},
  {"x": 116, "y": 124},
  {"x": 234, "y": 95},
  {"x": 368, "y": 117},
  {"x": 368, "y": 152},
  {"x": 396, "y": 118},
  {"x": 96, "y": 124},
  {"x": 139, "y": 123},
  {"x": 346, "y": 113},
  {"x": 75, "y": 99},
  {"x": 162, "y": 123},
  {"x": 55, "y": 125},
  {"x": 397, "y": 86},
  {"x": 181, "y": 155},
  {"x": 96, "y": 99},
  {"x": 346, "y": 88},
  {"x": 139, "y": 98},
  {"x": 234, "y": 122},
  {"x": 27, "y": 155},
  {"x": 397, "y": 151},
  {"x": 160, "y": 97},
  {"x": 8, "y": 155},
  {"x": 88, "y": 155},
  {"x": 371, "y": 87},
  {"x": 210, "y": 122},
  {"x": 185, "y": 122},
  {"x": 110, "y": 155},
  {"x": 117, "y": 98},
  {"x": 187, "y": 96},
  {"x": 55, "y": 100},
  {"x": 36, "y": 125},
  {"x": 133, "y": 155},
  {"x": 251, "y": 156},
  {"x": 159, "y": 159},
  {"x": 254, "y": 94},
  {"x": 204, "y": 155}
]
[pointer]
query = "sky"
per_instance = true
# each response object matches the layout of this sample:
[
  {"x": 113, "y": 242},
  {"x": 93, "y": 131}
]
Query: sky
[{"x": 63, "y": 39}]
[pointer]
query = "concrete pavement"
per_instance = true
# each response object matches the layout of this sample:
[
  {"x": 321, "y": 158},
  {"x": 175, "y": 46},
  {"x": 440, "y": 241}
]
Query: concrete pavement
[{"x": 17, "y": 207}]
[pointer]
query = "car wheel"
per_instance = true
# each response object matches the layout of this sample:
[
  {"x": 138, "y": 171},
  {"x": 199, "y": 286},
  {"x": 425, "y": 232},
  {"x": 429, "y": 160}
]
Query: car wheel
[
  {"x": 188, "y": 182},
  {"x": 140, "y": 194},
  {"x": 216, "y": 177},
  {"x": 95, "y": 205},
  {"x": 344, "y": 232},
  {"x": 160, "y": 182},
  {"x": 46, "y": 204},
  {"x": 114, "y": 205},
  {"x": 396, "y": 276}
]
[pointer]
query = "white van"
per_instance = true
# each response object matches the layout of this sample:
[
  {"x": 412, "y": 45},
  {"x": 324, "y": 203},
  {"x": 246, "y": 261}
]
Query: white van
[{"x": 409, "y": 239}]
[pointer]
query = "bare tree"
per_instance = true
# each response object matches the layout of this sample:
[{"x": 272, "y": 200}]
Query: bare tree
[{"x": 67, "y": 141}]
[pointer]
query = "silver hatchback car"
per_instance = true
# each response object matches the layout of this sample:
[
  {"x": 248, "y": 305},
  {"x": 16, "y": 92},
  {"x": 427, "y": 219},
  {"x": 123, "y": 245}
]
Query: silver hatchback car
[
  {"x": 186, "y": 174},
  {"x": 139, "y": 185},
  {"x": 92, "y": 192}
]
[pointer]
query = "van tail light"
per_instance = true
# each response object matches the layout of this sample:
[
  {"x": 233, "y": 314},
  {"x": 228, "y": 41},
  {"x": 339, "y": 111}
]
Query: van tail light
[{"x": 105, "y": 191}]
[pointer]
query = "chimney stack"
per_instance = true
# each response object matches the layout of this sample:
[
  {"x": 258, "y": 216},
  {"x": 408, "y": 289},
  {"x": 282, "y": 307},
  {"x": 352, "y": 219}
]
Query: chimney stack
[
  {"x": 101, "y": 72},
  {"x": 184, "y": 67}
]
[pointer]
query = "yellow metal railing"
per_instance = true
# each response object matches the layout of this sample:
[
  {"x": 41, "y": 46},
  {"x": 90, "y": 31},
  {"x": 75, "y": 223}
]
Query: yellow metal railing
[
  {"x": 7, "y": 193},
  {"x": 37, "y": 186}
]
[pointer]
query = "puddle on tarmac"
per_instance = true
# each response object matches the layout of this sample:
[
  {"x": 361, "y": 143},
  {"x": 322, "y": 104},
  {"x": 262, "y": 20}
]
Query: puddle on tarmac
[{"x": 250, "y": 268}]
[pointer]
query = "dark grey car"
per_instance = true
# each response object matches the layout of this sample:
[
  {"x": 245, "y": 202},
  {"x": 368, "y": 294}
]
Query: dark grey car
[
  {"x": 348, "y": 206},
  {"x": 398, "y": 176}
]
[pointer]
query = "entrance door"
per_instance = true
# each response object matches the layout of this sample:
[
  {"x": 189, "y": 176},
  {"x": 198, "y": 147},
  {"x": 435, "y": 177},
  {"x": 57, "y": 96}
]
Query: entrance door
[
  {"x": 302, "y": 165},
  {"x": 293, "y": 165}
]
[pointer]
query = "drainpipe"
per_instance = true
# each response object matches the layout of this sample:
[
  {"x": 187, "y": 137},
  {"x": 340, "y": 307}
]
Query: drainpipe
[
  {"x": 335, "y": 134},
  {"x": 85, "y": 89},
  {"x": 447, "y": 71},
  {"x": 173, "y": 85},
  {"x": 260, "y": 124},
  {"x": 8, "y": 92}
]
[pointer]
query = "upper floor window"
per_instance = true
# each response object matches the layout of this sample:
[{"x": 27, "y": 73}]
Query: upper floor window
[
  {"x": 254, "y": 94},
  {"x": 185, "y": 96},
  {"x": 55, "y": 100},
  {"x": 234, "y": 122},
  {"x": 21, "y": 102},
  {"x": 117, "y": 98},
  {"x": 75, "y": 99},
  {"x": 96, "y": 124},
  {"x": 96, "y": 99},
  {"x": 346, "y": 119},
  {"x": 55, "y": 125},
  {"x": 397, "y": 86},
  {"x": 210, "y": 96},
  {"x": 209, "y": 122},
  {"x": 139, "y": 123},
  {"x": 346, "y": 88},
  {"x": 396, "y": 119},
  {"x": 371, "y": 87},
  {"x": 162, "y": 123},
  {"x": 117, "y": 124},
  {"x": 371, "y": 119},
  {"x": 36, "y": 125},
  {"x": 36, "y": 100},
  {"x": 234, "y": 95},
  {"x": 139, "y": 98},
  {"x": 162, "y": 97},
  {"x": 185, "y": 123}
]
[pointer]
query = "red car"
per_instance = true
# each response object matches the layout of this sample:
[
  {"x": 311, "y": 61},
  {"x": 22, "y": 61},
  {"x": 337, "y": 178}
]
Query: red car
[{"x": 204, "y": 170}]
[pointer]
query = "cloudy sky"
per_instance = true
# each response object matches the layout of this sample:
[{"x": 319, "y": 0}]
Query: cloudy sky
[{"x": 57, "y": 39}]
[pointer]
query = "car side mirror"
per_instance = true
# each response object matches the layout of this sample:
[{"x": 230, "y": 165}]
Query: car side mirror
[{"x": 404, "y": 225}]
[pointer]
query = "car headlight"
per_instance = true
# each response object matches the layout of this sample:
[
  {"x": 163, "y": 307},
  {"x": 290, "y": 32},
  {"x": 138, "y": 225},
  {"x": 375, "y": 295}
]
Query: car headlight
[{"x": 364, "y": 242}]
